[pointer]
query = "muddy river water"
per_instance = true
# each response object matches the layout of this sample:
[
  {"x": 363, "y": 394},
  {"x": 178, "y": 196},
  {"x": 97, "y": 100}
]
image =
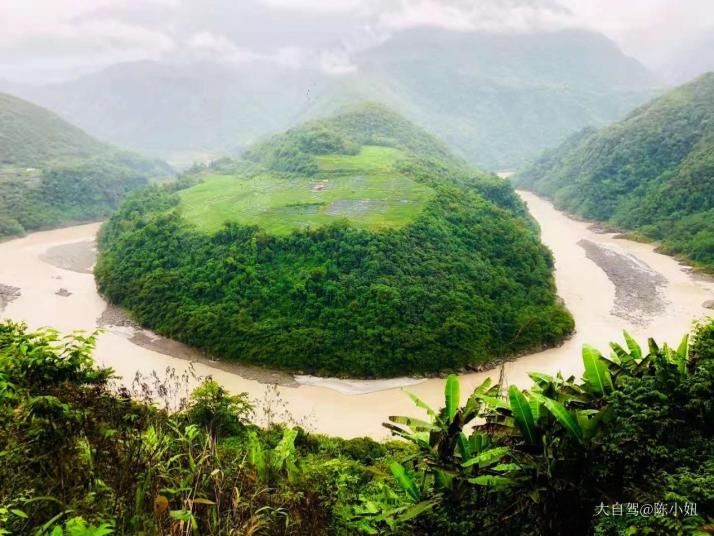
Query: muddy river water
[{"x": 608, "y": 283}]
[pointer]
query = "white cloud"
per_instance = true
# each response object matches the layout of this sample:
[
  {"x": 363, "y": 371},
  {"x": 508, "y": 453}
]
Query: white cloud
[
  {"x": 318, "y": 6},
  {"x": 218, "y": 47},
  {"x": 337, "y": 63},
  {"x": 41, "y": 39},
  {"x": 485, "y": 15}
]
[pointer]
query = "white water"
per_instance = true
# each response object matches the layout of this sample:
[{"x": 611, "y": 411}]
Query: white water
[{"x": 356, "y": 408}]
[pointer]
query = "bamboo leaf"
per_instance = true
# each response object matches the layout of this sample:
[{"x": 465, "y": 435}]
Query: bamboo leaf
[{"x": 522, "y": 414}]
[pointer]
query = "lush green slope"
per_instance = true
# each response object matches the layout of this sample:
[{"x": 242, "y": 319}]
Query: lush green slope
[
  {"x": 653, "y": 172},
  {"x": 52, "y": 172},
  {"x": 31, "y": 136},
  {"x": 630, "y": 454},
  {"x": 362, "y": 189},
  {"x": 496, "y": 99},
  {"x": 454, "y": 277}
]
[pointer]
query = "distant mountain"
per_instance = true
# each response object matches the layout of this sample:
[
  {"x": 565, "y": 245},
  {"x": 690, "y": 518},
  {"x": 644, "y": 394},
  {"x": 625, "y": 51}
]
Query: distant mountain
[
  {"x": 162, "y": 108},
  {"x": 496, "y": 99},
  {"x": 500, "y": 99},
  {"x": 652, "y": 172},
  {"x": 52, "y": 172}
]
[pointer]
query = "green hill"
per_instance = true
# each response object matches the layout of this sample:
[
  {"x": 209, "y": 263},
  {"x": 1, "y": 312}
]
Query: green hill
[
  {"x": 52, "y": 172},
  {"x": 346, "y": 246},
  {"x": 31, "y": 136},
  {"x": 652, "y": 172}
]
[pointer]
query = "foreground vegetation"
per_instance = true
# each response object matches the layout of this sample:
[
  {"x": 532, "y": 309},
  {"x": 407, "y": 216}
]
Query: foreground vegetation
[
  {"x": 80, "y": 458},
  {"x": 453, "y": 277},
  {"x": 652, "y": 173},
  {"x": 52, "y": 173}
]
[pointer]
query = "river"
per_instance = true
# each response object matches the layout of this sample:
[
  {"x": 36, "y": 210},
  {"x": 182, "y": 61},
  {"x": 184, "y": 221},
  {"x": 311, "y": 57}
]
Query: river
[{"x": 607, "y": 282}]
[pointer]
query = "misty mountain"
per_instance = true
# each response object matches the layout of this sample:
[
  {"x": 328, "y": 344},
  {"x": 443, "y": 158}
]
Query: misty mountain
[
  {"x": 499, "y": 99},
  {"x": 652, "y": 172},
  {"x": 52, "y": 172},
  {"x": 496, "y": 99}
]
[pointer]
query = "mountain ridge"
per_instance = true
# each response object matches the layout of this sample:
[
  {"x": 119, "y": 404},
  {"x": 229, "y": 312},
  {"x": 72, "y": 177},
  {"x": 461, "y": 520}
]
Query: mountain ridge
[{"x": 652, "y": 172}]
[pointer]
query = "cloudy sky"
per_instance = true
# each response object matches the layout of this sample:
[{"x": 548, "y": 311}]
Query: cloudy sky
[{"x": 42, "y": 40}]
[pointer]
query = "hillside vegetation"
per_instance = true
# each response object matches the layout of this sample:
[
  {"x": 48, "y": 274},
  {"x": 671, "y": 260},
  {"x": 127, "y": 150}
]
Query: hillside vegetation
[
  {"x": 352, "y": 246},
  {"x": 496, "y": 99},
  {"x": 652, "y": 173},
  {"x": 52, "y": 172},
  {"x": 627, "y": 449},
  {"x": 31, "y": 136}
]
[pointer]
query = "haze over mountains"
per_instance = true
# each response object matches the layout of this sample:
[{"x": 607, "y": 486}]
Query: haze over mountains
[{"x": 497, "y": 99}]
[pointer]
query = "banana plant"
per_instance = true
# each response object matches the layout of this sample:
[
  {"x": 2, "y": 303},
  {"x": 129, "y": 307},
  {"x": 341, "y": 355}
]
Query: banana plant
[
  {"x": 450, "y": 456},
  {"x": 270, "y": 463}
]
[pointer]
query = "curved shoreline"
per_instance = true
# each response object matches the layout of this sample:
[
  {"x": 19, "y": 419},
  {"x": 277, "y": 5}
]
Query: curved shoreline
[{"x": 358, "y": 407}]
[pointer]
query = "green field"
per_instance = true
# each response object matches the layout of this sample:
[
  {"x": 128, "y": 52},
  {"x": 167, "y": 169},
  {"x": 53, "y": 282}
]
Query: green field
[{"x": 360, "y": 188}]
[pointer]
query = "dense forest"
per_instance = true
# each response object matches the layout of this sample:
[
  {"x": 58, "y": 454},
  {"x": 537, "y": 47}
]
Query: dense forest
[
  {"x": 53, "y": 173},
  {"x": 627, "y": 449},
  {"x": 652, "y": 173},
  {"x": 455, "y": 281}
]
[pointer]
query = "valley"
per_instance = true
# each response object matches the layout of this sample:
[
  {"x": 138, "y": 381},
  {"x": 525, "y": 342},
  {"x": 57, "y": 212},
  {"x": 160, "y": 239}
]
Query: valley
[{"x": 351, "y": 408}]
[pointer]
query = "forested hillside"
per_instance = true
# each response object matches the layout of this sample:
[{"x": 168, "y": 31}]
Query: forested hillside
[
  {"x": 496, "y": 99},
  {"x": 652, "y": 173},
  {"x": 52, "y": 172},
  {"x": 353, "y": 246}
]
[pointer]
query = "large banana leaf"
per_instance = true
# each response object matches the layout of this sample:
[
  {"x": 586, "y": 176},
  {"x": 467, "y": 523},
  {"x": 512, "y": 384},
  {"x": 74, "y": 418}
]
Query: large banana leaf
[
  {"x": 452, "y": 396},
  {"x": 405, "y": 481},
  {"x": 417, "y": 509},
  {"x": 423, "y": 405},
  {"x": 417, "y": 425},
  {"x": 491, "y": 481},
  {"x": 596, "y": 374},
  {"x": 635, "y": 350},
  {"x": 683, "y": 348},
  {"x": 487, "y": 457},
  {"x": 463, "y": 446},
  {"x": 562, "y": 415},
  {"x": 522, "y": 414},
  {"x": 494, "y": 402}
]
